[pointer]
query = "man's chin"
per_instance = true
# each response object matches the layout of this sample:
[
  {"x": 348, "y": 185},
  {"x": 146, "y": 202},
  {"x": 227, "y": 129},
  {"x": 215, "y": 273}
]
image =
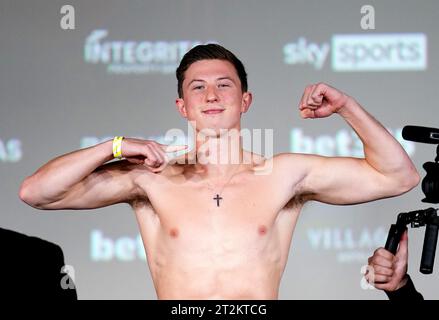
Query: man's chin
[{"x": 212, "y": 132}]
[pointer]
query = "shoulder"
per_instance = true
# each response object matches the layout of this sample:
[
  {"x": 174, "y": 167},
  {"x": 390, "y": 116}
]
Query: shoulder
[{"x": 146, "y": 180}]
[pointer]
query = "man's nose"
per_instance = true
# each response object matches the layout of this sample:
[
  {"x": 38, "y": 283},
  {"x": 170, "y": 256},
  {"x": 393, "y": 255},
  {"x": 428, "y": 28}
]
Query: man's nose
[{"x": 211, "y": 95}]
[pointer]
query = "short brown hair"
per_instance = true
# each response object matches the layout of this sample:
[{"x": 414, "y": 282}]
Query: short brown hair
[{"x": 209, "y": 51}]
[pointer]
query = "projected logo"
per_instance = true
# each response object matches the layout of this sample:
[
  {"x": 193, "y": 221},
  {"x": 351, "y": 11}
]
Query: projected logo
[
  {"x": 125, "y": 248},
  {"x": 10, "y": 150},
  {"x": 345, "y": 143},
  {"x": 349, "y": 244},
  {"x": 358, "y": 52},
  {"x": 132, "y": 57}
]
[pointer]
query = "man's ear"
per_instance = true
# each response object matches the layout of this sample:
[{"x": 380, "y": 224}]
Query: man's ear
[
  {"x": 179, "y": 102},
  {"x": 246, "y": 101}
]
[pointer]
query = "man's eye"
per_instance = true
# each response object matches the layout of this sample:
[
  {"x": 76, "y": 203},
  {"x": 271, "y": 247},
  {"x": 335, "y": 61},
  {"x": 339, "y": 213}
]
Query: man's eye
[
  {"x": 198, "y": 87},
  {"x": 223, "y": 85}
]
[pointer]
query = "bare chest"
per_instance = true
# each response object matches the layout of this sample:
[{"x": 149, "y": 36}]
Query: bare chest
[
  {"x": 247, "y": 203},
  {"x": 184, "y": 225},
  {"x": 247, "y": 213}
]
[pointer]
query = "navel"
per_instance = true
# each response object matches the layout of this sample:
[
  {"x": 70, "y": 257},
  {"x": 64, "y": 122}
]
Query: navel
[
  {"x": 262, "y": 230},
  {"x": 173, "y": 232}
]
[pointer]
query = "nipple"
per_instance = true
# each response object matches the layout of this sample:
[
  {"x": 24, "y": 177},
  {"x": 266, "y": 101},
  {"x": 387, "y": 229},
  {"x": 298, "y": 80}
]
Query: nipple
[
  {"x": 262, "y": 230},
  {"x": 173, "y": 232}
]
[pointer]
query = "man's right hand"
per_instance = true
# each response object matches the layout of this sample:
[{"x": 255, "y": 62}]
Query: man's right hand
[{"x": 148, "y": 152}]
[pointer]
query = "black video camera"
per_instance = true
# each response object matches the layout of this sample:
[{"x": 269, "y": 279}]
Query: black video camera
[{"x": 427, "y": 217}]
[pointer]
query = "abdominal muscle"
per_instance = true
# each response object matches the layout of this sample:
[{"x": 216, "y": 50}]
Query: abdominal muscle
[{"x": 237, "y": 274}]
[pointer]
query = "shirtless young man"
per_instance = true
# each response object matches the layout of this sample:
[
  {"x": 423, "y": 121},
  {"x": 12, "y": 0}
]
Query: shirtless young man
[{"x": 236, "y": 247}]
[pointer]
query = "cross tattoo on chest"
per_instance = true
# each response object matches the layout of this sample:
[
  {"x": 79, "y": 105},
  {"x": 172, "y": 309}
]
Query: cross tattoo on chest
[{"x": 217, "y": 198}]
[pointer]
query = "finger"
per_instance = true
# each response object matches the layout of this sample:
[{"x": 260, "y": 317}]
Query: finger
[
  {"x": 308, "y": 96},
  {"x": 310, "y": 101},
  {"x": 158, "y": 152},
  {"x": 304, "y": 98},
  {"x": 160, "y": 160},
  {"x": 381, "y": 261},
  {"x": 386, "y": 254},
  {"x": 380, "y": 270},
  {"x": 370, "y": 278},
  {"x": 172, "y": 148},
  {"x": 135, "y": 160},
  {"x": 164, "y": 160},
  {"x": 151, "y": 159},
  {"x": 402, "y": 252},
  {"x": 307, "y": 113},
  {"x": 316, "y": 96},
  {"x": 380, "y": 279}
]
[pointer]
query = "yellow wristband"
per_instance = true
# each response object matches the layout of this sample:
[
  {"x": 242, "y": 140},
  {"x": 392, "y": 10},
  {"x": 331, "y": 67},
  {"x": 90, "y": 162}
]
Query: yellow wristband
[{"x": 117, "y": 147}]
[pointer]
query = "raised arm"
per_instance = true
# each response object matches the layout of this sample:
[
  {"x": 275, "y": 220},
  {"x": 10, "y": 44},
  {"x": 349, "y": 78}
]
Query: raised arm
[
  {"x": 82, "y": 180},
  {"x": 385, "y": 171}
]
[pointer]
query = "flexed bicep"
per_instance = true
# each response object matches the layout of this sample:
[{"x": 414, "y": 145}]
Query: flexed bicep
[{"x": 345, "y": 180}]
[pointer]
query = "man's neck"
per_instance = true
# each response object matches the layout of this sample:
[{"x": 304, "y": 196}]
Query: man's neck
[{"x": 218, "y": 155}]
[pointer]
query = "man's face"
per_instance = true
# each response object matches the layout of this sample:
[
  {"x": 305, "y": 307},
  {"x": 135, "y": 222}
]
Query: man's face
[{"x": 212, "y": 96}]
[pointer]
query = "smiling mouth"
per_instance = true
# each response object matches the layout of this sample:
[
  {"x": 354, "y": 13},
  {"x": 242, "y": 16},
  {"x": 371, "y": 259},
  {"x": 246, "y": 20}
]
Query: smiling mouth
[{"x": 213, "y": 111}]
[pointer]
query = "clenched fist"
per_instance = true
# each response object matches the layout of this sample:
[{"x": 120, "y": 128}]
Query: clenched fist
[
  {"x": 148, "y": 152},
  {"x": 321, "y": 100},
  {"x": 389, "y": 271}
]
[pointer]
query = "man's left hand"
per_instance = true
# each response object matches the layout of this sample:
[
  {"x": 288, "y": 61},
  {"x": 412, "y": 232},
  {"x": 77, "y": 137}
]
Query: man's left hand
[{"x": 321, "y": 100}]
